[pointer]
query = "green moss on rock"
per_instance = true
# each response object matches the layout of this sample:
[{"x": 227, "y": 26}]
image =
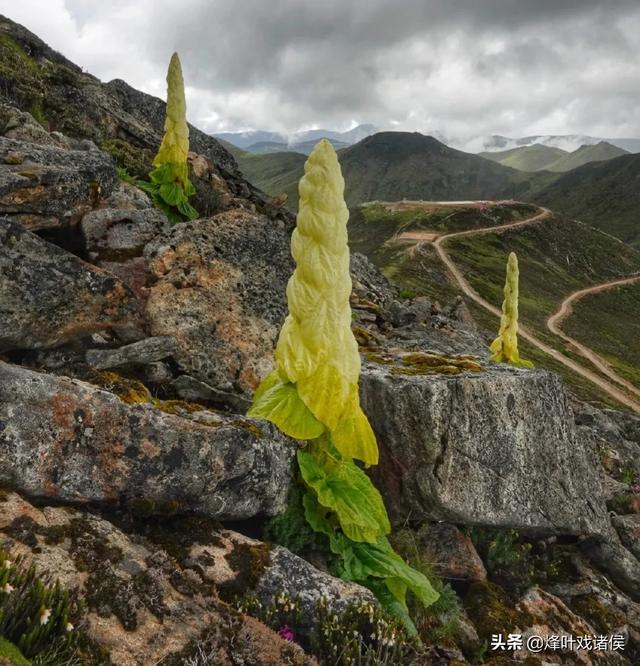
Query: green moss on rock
[
  {"x": 604, "y": 619},
  {"x": 136, "y": 160},
  {"x": 491, "y": 612},
  {"x": 248, "y": 560}
]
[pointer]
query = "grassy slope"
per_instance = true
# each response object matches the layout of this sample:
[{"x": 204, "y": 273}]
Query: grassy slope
[
  {"x": 556, "y": 257},
  {"x": 618, "y": 313},
  {"x": 527, "y": 158},
  {"x": 585, "y": 154},
  {"x": 275, "y": 173},
  {"x": 605, "y": 195},
  {"x": 234, "y": 150}
]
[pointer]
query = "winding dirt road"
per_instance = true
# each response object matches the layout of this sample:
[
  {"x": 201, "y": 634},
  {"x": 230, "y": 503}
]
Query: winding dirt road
[
  {"x": 566, "y": 307},
  {"x": 610, "y": 388}
]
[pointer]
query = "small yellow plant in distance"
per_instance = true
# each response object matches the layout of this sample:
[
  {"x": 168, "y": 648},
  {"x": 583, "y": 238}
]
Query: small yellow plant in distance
[
  {"x": 313, "y": 395},
  {"x": 505, "y": 346}
]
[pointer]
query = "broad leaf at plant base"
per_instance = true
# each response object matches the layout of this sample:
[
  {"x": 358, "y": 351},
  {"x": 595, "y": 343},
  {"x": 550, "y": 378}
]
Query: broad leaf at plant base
[
  {"x": 281, "y": 405},
  {"x": 341, "y": 486}
]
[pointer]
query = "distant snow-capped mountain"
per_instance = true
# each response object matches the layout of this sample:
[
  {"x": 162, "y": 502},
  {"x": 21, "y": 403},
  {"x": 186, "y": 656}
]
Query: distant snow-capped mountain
[{"x": 247, "y": 140}]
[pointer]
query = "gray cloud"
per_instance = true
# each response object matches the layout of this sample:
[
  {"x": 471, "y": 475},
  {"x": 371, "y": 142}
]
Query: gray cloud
[{"x": 464, "y": 67}]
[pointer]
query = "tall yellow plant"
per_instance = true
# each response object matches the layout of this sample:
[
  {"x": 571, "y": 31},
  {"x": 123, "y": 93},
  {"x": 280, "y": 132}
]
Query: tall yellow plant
[
  {"x": 316, "y": 349},
  {"x": 313, "y": 395},
  {"x": 505, "y": 346}
]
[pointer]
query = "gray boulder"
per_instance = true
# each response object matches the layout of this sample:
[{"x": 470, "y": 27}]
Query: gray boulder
[
  {"x": 49, "y": 296},
  {"x": 117, "y": 234},
  {"x": 220, "y": 292},
  {"x": 49, "y": 186},
  {"x": 620, "y": 564},
  {"x": 240, "y": 566},
  {"x": 496, "y": 447},
  {"x": 70, "y": 441}
]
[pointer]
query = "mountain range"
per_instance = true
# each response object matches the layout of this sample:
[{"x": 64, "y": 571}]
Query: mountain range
[
  {"x": 260, "y": 141},
  {"x": 392, "y": 166},
  {"x": 265, "y": 141},
  {"x": 538, "y": 157},
  {"x": 567, "y": 142},
  {"x": 397, "y": 165}
]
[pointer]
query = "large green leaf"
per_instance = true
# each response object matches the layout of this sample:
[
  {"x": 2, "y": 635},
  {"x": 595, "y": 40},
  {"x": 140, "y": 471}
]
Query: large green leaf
[
  {"x": 380, "y": 561},
  {"x": 390, "y": 602},
  {"x": 316, "y": 515},
  {"x": 347, "y": 491},
  {"x": 281, "y": 405}
]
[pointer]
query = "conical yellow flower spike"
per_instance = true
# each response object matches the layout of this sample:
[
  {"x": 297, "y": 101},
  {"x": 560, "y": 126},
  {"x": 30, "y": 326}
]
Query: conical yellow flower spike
[
  {"x": 170, "y": 178},
  {"x": 316, "y": 349},
  {"x": 505, "y": 346},
  {"x": 175, "y": 142}
]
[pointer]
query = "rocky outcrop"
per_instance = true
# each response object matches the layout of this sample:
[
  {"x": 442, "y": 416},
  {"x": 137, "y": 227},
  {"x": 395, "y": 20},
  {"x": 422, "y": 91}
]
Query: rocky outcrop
[
  {"x": 142, "y": 606},
  {"x": 49, "y": 296},
  {"x": 495, "y": 448},
  {"x": 120, "y": 120},
  {"x": 48, "y": 186},
  {"x": 69, "y": 441},
  {"x": 220, "y": 292},
  {"x": 620, "y": 564},
  {"x": 241, "y": 566}
]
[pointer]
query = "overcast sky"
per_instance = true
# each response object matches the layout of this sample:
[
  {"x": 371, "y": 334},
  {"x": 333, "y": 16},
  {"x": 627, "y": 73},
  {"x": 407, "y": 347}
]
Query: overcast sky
[{"x": 462, "y": 67}]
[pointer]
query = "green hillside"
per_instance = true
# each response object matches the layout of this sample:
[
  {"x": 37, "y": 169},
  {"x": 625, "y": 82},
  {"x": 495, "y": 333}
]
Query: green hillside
[
  {"x": 539, "y": 157},
  {"x": 275, "y": 173},
  {"x": 556, "y": 257},
  {"x": 527, "y": 158},
  {"x": 234, "y": 150},
  {"x": 597, "y": 153},
  {"x": 618, "y": 312},
  {"x": 605, "y": 195},
  {"x": 392, "y": 166}
]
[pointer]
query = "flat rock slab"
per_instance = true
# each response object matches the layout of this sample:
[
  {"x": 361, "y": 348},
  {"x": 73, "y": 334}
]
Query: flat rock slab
[
  {"x": 50, "y": 297},
  {"x": 73, "y": 442},
  {"x": 50, "y": 186},
  {"x": 496, "y": 448}
]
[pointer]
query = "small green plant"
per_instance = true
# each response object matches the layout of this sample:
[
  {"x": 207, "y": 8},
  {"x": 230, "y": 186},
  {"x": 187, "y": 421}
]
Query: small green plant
[
  {"x": 505, "y": 346},
  {"x": 313, "y": 395},
  {"x": 406, "y": 294},
  {"x": 36, "y": 618},
  {"x": 506, "y": 555},
  {"x": 169, "y": 185},
  {"x": 628, "y": 475}
]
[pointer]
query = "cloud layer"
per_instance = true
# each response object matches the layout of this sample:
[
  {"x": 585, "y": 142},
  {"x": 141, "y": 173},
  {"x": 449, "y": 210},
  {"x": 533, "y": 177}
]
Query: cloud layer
[{"x": 462, "y": 67}]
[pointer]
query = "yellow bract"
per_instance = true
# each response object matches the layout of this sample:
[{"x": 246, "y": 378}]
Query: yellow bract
[
  {"x": 505, "y": 346},
  {"x": 316, "y": 349},
  {"x": 175, "y": 142}
]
